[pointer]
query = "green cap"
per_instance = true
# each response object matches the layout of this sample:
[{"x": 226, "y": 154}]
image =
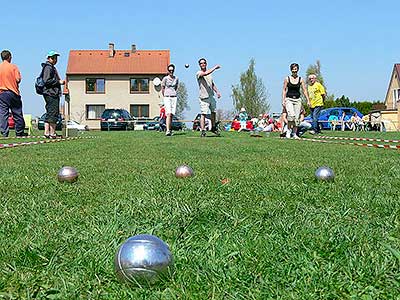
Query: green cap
[{"x": 52, "y": 53}]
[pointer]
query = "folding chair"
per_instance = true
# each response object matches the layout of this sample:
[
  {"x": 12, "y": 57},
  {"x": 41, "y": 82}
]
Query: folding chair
[{"x": 28, "y": 123}]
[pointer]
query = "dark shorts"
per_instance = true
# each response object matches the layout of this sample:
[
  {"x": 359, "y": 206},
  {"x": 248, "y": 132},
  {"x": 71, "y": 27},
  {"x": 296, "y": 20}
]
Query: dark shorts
[{"x": 52, "y": 108}]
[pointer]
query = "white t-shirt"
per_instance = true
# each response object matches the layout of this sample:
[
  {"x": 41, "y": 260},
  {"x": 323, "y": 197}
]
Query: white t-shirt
[
  {"x": 205, "y": 85},
  {"x": 170, "y": 85}
]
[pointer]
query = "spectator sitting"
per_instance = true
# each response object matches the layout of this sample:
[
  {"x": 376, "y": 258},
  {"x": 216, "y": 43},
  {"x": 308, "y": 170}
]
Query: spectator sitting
[
  {"x": 333, "y": 121},
  {"x": 303, "y": 126},
  {"x": 355, "y": 122},
  {"x": 243, "y": 119}
]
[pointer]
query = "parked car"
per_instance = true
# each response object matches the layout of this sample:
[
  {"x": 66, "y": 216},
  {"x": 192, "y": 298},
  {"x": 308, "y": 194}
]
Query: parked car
[
  {"x": 117, "y": 119},
  {"x": 71, "y": 124},
  {"x": 196, "y": 122},
  {"x": 155, "y": 124},
  {"x": 58, "y": 123},
  {"x": 11, "y": 122},
  {"x": 236, "y": 123},
  {"x": 331, "y": 113}
]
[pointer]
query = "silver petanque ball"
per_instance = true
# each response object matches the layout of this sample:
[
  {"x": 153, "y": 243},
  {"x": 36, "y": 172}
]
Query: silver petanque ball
[
  {"x": 186, "y": 66},
  {"x": 143, "y": 259},
  {"x": 184, "y": 171},
  {"x": 324, "y": 174},
  {"x": 67, "y": 174}
]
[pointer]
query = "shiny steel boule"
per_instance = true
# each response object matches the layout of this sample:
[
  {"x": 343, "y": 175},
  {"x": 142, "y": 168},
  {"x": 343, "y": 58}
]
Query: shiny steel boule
[
  {"x": 186, "y": 66},
  {"x": 67, "y": 174},
  {"x": 143, "y": 259},
  {"x": 184, "y": 171},
  {"x": 324, "y": 174}
]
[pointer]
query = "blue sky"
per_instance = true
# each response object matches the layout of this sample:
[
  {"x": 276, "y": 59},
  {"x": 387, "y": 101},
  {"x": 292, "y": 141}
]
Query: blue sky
[{"x": 357, "y": 42}]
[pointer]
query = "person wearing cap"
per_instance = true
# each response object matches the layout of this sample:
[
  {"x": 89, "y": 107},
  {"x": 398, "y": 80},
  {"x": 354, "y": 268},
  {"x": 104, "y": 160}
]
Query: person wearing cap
[
  {"x": 10, "y": 98},
  {"x": 51, "y": 93},
  {"x": 169, "y": 87},
  {"x": 243, "y": 119}
]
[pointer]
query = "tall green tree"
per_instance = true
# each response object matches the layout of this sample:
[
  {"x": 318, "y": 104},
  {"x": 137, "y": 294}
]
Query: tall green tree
[
  {"x": 316, "y": 69},
  {"x": 181, "y": 101},
  {"x": 250, "y": 93}
]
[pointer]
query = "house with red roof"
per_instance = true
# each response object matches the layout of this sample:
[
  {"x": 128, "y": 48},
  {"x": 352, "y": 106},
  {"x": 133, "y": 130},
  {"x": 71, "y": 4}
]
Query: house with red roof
[{"x": 102, "y": 79}]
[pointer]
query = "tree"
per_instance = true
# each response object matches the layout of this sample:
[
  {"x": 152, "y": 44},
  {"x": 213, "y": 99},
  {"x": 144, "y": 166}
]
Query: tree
[
  {"x": 343, "y": 101},
  {"x": 225, "y": 115},
  {"x": 315, "y": 69},
  {"x": 182, "y": 100},
  {"x": 250, "y": 93}
]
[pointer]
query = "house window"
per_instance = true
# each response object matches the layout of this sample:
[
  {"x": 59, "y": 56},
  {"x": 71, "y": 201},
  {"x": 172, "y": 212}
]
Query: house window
[
  {"x": 396, "y": 97},
  {"x": 139, "y": 85},
  {"x": 140, "y": 110},
  {"x": 93, "y": 112},
  {"x": 95, "y": 85}
]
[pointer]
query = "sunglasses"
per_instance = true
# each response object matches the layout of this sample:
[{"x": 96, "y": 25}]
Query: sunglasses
[{"x": 171, "y": 70}]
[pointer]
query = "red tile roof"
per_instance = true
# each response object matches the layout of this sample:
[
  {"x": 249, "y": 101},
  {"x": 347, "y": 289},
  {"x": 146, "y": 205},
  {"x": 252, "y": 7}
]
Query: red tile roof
[{"x": 123, "y": 62}]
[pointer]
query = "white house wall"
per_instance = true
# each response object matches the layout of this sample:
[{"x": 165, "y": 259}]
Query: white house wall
[{"x": 117, "y": 95}]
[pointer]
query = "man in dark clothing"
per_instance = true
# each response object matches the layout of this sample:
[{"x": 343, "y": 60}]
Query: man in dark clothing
[
  {"x": 10, "y": 98},
  {"x": 51, "y": 93}
]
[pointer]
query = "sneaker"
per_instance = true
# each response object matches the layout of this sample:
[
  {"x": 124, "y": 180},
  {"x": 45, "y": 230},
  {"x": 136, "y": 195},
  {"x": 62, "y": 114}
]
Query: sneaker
[
  {"x": 215, "y": 131},
  {"x": 21, "y": 134},
  {"x": 296, "y": 137},
  {"x": 55, "y": 136},
  {"x": 312, "y": 132},
  {"x": 288, "y": 133},
  {"x": 203, "y": 133},
  {"x": 168, "y": 133}
]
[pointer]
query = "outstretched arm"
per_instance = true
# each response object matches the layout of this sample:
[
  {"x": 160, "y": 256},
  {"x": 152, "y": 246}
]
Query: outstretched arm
[{"x": 209, "y": 71}]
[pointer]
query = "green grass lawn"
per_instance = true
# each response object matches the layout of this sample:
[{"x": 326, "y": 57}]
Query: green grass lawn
[{"x": 272, "y": 232}]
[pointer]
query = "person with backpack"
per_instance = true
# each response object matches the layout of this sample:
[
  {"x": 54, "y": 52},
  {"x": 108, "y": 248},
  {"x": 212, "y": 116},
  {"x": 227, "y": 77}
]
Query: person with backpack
[
  {"x": 10, "y": 98},
  {"x": 51, "y": 92}
]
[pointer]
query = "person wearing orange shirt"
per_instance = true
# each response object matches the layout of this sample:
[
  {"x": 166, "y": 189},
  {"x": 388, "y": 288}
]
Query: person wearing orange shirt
[{"x": 10, "y": 98}]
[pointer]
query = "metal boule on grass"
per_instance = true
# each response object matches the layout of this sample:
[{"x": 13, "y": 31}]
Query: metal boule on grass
[
  {"x": 143, "y": 259},
  {"x": 67, "y": 174},
  {"x": 184, "y": 171},
  {"x": 324, "y": 174}
]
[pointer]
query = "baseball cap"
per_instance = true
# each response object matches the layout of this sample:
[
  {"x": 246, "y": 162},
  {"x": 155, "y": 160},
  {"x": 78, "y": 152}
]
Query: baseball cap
[{"x": 52, "y": 53}]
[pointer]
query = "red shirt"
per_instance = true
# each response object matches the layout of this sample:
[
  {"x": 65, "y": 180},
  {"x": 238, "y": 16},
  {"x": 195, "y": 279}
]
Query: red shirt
[
  {"x": 162, "y": 113},
  {"x": 9, "y": 77}
]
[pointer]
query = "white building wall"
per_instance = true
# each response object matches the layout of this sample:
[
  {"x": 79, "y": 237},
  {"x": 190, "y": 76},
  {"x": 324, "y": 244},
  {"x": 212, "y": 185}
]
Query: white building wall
[{"x": 117, "y": 95}]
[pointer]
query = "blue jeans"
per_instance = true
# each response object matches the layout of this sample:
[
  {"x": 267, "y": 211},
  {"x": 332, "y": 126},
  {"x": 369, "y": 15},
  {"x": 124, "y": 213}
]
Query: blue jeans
[
  {"x": 11, "y": 101},
  {"x": 315, "y": 112}
]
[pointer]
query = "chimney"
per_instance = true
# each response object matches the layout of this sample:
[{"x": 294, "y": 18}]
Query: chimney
[
  {"x": 111, "y": 50},
  {"x": 133, "y": 48}
]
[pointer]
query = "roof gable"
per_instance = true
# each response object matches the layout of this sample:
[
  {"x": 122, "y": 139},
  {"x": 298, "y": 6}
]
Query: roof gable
[
  {"x": 123, "y": 62},
  {"x": 395, "y": 74},
  {"x": 397, "y": 68}
]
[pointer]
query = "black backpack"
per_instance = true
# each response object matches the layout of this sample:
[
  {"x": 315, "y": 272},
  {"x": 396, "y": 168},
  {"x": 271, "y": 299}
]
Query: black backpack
[{"x": 39, "y": 83}]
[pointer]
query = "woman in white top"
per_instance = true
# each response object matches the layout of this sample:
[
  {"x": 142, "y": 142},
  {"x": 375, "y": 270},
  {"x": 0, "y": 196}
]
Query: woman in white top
[{"x": 169, "y": 88}]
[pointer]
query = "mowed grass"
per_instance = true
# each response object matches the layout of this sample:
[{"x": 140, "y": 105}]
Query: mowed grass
[{"x": 271, "y": 232}]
